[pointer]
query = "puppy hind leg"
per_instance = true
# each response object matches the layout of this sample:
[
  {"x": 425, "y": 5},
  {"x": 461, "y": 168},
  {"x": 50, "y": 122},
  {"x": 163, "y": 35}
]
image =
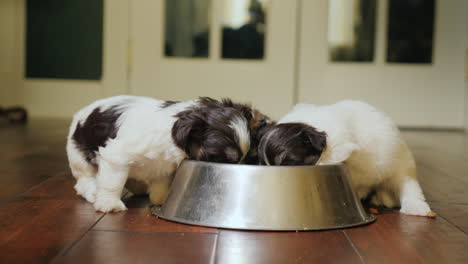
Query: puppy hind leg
[
  {"x": 412, "y": 198},
  {"x": 111, "y": 179},
  {"x": 384, "y": 198},
  {"x": 84, "y": 173},
  {"x": 86, "y": 187},
  {"x": 375, "y": 200},
  {"x": 406, "y": 186}
]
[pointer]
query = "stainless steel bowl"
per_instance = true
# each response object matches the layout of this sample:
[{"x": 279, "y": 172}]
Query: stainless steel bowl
[{"x": 263, "y": 197}]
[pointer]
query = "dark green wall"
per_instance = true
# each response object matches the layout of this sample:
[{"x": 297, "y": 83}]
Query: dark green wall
[{"x": 64, "y": 39}]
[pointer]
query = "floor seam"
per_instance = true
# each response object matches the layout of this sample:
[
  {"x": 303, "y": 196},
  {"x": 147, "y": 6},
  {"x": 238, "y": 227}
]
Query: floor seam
[
  {"x": 67, "y": 249},
  {"x": 450, "y": 222},
  {"x": 442, "y": 202},
  {"x": 6, "y": 201},
  {"x": 147, "y": 232},
  {"x": 361, "y": 258}
]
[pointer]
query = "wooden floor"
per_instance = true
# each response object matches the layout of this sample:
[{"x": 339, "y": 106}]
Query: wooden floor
[{"x": 42, "y": 220}]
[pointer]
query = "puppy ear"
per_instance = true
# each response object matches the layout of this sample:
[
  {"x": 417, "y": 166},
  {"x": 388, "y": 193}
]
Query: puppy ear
[
  {"x": 317, "y": 139},
  {"x": 188, "y": 130}
]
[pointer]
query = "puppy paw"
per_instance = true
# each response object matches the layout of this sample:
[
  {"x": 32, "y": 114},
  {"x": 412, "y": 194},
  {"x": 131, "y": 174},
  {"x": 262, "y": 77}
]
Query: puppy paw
[
  {"x": 432, "y": 214},
  {"x": 107, "y": 205},
  {"x": 416, "y": 207},
  {"x": 86, "y": 187}
]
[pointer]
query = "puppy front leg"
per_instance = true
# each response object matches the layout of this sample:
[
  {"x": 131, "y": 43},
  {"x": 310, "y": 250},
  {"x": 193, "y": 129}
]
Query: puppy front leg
[{"x": 111, "y": 179}]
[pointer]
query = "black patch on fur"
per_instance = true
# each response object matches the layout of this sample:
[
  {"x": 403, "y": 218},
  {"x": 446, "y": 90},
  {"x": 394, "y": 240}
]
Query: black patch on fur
[
  {"x": 169, "y": 103},
  {"x": 98, "y": 128},
  {"x": 291, "y": 144},
  {"x": 203, "y": 130}
]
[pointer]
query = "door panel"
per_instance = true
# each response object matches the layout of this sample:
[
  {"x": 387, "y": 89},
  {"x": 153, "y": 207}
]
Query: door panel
[
  {"x": 267, "y": 83},
  {"x": 421, "y": 95}
]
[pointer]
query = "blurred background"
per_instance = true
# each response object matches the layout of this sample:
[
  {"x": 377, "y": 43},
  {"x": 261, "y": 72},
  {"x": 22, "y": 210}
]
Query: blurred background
[{"x": 406, "y": 57}]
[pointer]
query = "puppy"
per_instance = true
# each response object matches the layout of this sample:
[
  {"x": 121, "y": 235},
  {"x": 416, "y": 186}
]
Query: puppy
[
  {"x": 366, "y": 140},
  {"x": 144, "y": 140}
]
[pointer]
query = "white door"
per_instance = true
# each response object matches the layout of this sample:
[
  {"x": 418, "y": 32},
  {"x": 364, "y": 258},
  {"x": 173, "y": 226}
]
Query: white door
[
  {"x": 164, "y": 68},
  {"x": 413, "y": 94}
]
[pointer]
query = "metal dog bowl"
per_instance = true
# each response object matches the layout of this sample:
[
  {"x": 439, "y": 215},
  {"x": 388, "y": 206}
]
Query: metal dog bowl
[{"x": 262, "y": 197}]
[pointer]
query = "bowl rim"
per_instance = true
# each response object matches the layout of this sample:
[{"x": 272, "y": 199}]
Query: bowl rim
[{"x": 218, "y": 164}]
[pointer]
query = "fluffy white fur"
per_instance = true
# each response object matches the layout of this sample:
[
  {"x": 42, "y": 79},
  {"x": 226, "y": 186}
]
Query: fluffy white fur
[
  {"x": 371, "y": 147},
  {"x": 142, "y": 150}
]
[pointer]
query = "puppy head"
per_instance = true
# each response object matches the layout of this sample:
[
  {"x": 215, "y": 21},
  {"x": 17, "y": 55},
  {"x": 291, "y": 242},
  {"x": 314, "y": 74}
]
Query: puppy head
[
  {"x": 216, "y": 131},
  {"x": 291, "y": 144}
]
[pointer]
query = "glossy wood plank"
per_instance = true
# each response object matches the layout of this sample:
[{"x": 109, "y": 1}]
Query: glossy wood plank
[
  {"x": 141, "y": 220},
  {"x": 41, "y": 217},
  {"x": 130, "y": 247},
  {"x": 28, "y": 172},
  {"x": 456, "y": 214},
  {"x": 442, "y": 159},
  {"x": 36, "y": 230},
  {"x": 30, "y": 155},
  {"x": 38, "y": 136},
  {"x": 284, "y": 247},
  {"x": 442, "y": 143},
  {"x": 440, "y": 187},
  {"x": 11, "y": 190},
  {"x": 454, "y": 166},
  {"x": 397, "y": 238},
  {"x": 58, "y": 187},
  {"x": 444, "y": 152}
]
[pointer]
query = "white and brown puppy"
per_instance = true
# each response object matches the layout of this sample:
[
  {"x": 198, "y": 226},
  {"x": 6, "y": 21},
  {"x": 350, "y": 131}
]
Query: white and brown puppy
[
  {"x": 353, "y": 132},
  {"x": 140, "y": 138}
]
